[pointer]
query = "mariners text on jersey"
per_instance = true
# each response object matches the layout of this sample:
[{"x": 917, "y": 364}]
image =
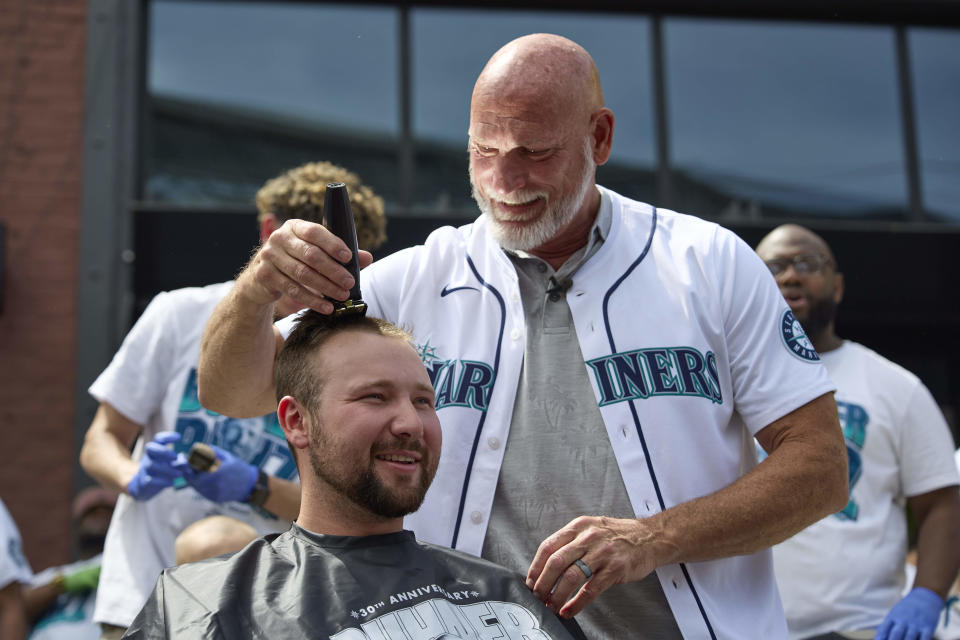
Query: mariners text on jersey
[
  {"x": 662, "y": 371},
  {"x": 461, "y": 383}
]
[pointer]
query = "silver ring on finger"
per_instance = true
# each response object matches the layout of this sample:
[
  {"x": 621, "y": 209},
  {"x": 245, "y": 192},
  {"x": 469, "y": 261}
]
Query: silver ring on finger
[{"x": 583, "y": 567}]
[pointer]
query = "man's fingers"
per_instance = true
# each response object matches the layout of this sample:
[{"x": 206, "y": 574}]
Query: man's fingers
[
  {"x": 310, "y": 255},
  {"x": 544, "y": 552},
  {"x": 165, "y": 474},
  {"x": 160, "y": 453},
  {"x": 166, "y": 437},
  {"x": 318, "y": 236},
  {"x": 273, "y": 279},
  {"x": 304, "y": 261},
  {"x": 588, "y": 593},
  {"x": 570, "y": 580},
  {"x": 883, "y": 631},
  {"x": 585, "y": 558},
  {"x": 312, "y": 271},
  {"x": 324, "y": 252}
]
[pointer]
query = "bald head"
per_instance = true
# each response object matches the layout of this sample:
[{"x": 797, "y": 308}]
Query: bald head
[
  {"x": 538, "y": 131},
  {"x": 552, "y": 70},
  {"x": 806, "y": 273},
  {"x": 793, "y": 239}
]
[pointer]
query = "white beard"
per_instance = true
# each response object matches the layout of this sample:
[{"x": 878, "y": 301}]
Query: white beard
[{"x": 556, "y": 215}]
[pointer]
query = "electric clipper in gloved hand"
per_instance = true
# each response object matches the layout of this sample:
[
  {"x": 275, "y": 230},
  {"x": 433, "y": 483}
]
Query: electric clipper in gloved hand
[
  {"x": 336, "y": 209},
  {"x": 225, "y": 478}
]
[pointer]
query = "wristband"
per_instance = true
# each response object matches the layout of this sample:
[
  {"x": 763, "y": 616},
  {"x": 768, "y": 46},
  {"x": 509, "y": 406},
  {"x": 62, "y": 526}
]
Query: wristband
[{"x": 260, "y": 492}]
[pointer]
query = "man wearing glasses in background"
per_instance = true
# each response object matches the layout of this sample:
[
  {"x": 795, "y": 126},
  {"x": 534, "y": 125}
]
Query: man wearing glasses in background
[{"x": 846, "y": 572}]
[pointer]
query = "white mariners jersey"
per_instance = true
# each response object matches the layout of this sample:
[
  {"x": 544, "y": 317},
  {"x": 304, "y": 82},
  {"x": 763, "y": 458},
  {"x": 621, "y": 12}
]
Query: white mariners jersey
[{"x": 690, "y": 348}]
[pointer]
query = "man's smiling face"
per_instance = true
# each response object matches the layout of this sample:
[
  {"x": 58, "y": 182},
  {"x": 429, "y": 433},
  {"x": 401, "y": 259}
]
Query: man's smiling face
[{"x": 374, "y": 434}]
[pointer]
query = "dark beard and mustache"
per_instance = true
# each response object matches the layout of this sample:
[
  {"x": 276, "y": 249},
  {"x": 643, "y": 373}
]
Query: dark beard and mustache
[
  {"x": 820, "y": 315},
  {"x": 365, "y": 488}
]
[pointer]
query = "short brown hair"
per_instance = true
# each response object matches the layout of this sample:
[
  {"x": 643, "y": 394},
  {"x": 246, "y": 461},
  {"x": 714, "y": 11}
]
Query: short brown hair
[
  {"x": 293, "y": 375},
  {"x": 299, "y": 193}
]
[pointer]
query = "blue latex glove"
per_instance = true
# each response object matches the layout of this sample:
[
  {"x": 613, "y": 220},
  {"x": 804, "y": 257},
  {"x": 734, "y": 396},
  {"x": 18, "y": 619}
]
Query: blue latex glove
[
  {"x": 158, "y": 467},
  {"x": 232, "y": 480},
  {"x": 913, "y": 618}
]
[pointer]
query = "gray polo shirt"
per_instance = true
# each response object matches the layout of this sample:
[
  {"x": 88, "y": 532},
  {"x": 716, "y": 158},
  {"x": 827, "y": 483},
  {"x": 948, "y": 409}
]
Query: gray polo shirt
[{"x": 558, "y": 463}]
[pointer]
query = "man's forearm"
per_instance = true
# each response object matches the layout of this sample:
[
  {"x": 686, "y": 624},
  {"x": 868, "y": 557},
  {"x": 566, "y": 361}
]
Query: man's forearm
[
  {"x": 761, "y": 509},
  {"x": 36, "y": 600},
  {"x": 235, "y": 375},
  {"x": 105, "y": 454},
  {"x": 938, "y": 542},
  {"x": 284, "y": 500},
  {"x": 13, "y": 618},
  {"x": 802, "y": 480}
]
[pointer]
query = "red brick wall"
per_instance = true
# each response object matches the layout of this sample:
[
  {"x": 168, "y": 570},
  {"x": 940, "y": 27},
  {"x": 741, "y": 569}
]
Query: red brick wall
[{"x": 42, "y": 56}]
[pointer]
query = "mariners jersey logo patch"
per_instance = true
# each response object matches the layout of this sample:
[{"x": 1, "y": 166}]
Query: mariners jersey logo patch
[{"x": 796, "y": 339}]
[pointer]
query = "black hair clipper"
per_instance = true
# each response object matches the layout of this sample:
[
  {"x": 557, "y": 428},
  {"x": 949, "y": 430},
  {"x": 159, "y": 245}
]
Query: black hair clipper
[
  {"x": 336, "y": 209},
  {"x": 202, "y": 457}
]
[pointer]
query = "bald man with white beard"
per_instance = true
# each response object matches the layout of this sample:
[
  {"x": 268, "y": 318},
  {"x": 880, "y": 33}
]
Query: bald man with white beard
[{"x": 601, "y": 367}]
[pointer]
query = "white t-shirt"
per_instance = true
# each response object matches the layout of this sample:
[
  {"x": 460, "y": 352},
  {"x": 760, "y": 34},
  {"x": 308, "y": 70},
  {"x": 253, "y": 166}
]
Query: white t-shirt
[
  {"x": 152, "y": 380},
  {"x": 846, "y": 571},
  {"x": 13, "y": 564}
]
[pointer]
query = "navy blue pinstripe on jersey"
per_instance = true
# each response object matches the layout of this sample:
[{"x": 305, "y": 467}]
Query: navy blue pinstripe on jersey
[
  {"x": 483, "y": 415},
  {"x": 633, "y": 408}
]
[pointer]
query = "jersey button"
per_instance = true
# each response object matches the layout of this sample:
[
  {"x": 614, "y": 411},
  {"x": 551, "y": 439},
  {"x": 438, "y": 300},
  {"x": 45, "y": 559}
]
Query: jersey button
[
  {"x": 476, "y": 517},
  {"x": 515, "y": 334},
  {"x": 494, "y": 443}
]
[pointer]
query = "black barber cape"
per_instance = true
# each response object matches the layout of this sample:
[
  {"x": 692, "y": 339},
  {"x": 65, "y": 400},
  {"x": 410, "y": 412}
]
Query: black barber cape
[{"x": 300, "y": 584}]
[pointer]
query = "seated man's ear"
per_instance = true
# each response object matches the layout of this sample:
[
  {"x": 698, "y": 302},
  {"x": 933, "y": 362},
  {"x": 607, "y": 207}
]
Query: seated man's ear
[
  {"x": 268, "y": 224},
  {"x": 293, "y": 420}
]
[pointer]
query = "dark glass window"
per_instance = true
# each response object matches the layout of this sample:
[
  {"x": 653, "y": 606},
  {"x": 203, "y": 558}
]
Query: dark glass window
[
  {"x": 791, "y": 120},
  {"x": 240, "y": 91},
  {"x": 935, "y": 57},
  {"x": 450, "y": 47}
]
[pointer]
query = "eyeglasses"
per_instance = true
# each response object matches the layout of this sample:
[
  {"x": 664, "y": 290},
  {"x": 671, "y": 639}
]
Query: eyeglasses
[{"x": 804, "y": 265}]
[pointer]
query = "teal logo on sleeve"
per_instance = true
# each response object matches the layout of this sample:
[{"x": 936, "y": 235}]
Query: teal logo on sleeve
[{"x": 795, "y": 338}]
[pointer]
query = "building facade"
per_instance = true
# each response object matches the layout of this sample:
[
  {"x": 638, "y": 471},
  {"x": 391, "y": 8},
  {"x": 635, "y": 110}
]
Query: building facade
[{"x": 135, "y": 134}]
